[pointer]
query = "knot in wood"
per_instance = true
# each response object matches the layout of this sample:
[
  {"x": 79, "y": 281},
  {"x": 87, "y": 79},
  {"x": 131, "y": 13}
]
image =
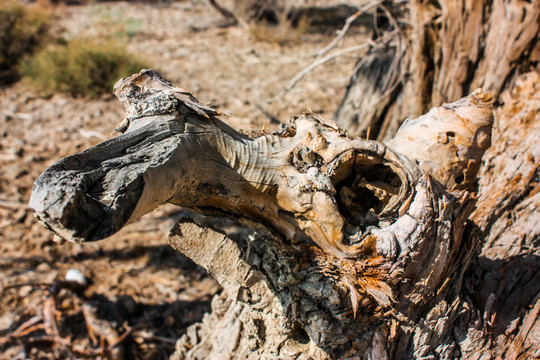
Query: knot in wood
[{"x": 303, "y": 158}]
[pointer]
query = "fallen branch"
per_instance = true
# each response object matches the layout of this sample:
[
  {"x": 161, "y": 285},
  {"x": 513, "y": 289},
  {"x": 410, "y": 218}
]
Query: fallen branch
[
  {"x": 311, "y": 233},
  {"x": 343, "y": 31},
  {"x": 369, "y": 44}
]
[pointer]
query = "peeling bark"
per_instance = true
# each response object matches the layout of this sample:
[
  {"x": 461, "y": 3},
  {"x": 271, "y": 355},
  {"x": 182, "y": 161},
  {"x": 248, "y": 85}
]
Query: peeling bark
[
  {"x": 444, "y": 50},
  {"x": 326, "y": 246}
]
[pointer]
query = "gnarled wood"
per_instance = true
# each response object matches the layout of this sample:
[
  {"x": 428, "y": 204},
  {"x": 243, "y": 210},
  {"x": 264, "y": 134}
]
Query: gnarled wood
[
  {"x": 447, "y": 49},
  {"x": 310, "y": 232}
]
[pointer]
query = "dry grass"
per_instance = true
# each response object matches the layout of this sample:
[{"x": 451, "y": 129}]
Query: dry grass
[
  {"x": 86, "y": 67},
  {"x": 270, "y": 20},
  {"x": 22, "y": 30}
]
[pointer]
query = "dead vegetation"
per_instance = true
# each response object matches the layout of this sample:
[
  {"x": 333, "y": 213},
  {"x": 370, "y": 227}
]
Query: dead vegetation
[
  {"x": 136, "y": 270},
  {"x": 280, "y": 33},
  {"x": 71, "y": 320},
  {"x": 22, "y": 31},
  {"x": 81, "y": 67},
  {"x": 20, "y": 262}
]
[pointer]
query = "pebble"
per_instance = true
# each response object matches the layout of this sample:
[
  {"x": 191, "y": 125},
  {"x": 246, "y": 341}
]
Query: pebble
[{"x": 74, "y": 275}]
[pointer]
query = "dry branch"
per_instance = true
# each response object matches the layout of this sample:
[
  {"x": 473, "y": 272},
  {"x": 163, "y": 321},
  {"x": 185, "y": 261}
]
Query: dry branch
[
  {"x": 449, "y": 48},
  {"x": 348, "y": 22},
  {"x": 227, "y": 14},
  {"x": 311, "y": 233},
  {"x": 369, "y": 44}
]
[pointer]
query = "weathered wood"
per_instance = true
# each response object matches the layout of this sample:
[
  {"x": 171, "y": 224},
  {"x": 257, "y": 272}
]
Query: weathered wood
[
  {"x": 311, "y": 233},
  {"x": 451, "y": 47},
  {"x": 507, "y": 278},
  {"x": 445, "y": 50}
]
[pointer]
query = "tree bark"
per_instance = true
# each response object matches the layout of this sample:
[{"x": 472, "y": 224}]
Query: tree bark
[
  {"x": 447, "y": 48},
  {"x": 442, "y": 51},
  {"x": 326, "y": 246},
  {"x": 505, "y": 283},
  {"x": 330, "y": 246}
]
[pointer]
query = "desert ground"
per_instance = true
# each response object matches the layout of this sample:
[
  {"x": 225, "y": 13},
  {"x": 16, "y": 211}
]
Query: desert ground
[{"x": 141, "y": 295}]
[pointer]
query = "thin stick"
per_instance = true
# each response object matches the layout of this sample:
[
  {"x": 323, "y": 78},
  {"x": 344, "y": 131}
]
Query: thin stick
[
  {"x": 343, "y": 31},
  {"x": 326, "y": 59},
  {"x": 29, "y": 324},
  {"x": 273, "y": 119},
  {"x": 223, "y": 11},
  {"x": 89, "y": 327},
  {"x": 397, "y": 58},
  {"x": 120, "y": 339},
  {"x": 156, "y": 338},
  {"x": 391, "y": 81}
]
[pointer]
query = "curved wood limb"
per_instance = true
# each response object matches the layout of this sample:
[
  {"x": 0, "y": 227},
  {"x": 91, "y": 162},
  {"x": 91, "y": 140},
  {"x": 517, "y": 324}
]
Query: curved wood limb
[{"x": 387, "y": 219}]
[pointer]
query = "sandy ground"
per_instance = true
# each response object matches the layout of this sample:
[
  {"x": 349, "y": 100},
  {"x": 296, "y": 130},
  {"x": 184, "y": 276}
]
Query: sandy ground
[{"x": 142, "y": 294}]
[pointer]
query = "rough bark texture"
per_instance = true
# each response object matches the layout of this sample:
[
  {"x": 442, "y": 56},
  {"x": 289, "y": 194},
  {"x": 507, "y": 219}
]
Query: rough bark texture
[
  {"x": 326, "y": 246},
  {"x": 444, "y": 50},
  {"x": 333, "y": 247},
  {"x": 506, "y": 284}
]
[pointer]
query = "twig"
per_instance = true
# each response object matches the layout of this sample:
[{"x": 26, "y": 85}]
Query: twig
[
  {"x": 314, "y": 65},
  {"x": 28, "y": 326},
  {"x": 50, "y": 314},
  {"x": 122, "y": 337},
  {"x": 89, "y": 327},
  {"x": 326, "y": 59},
  {"x": 273, "y": 119},
  {"x": 227, "y": 14},
  {"x": 156, "y": 338},
  {"x": 343, "y": 31},
  {"x": 29, "y": 330},
  {"x": 391, "y": 81},
  {"x": 397, "y": 57}
]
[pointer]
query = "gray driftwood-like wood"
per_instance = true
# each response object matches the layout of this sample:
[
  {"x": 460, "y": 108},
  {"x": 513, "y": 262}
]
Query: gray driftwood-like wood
[{"x": 326, "y": 246}]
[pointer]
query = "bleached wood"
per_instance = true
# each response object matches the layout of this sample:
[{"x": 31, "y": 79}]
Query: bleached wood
[{"x": 311, "y": 233}]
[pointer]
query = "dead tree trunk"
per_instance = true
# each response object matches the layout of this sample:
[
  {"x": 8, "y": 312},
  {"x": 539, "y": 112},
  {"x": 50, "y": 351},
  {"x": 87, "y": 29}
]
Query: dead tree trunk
[
  {"x": 334, "y": 247},
  {"x": 326, "y": 246},
  {"x": 444, "y": 49}
]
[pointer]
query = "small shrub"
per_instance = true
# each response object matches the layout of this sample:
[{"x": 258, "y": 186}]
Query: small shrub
[
  {"x": 85, "y": 67},
  {"x": 22, "y": 30}
]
